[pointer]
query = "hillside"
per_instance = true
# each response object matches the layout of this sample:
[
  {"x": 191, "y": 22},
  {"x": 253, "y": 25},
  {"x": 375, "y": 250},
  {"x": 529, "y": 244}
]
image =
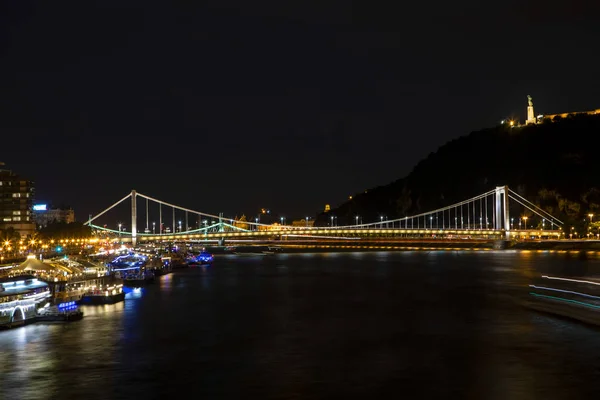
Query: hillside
[{"x": 554, "y": 164}]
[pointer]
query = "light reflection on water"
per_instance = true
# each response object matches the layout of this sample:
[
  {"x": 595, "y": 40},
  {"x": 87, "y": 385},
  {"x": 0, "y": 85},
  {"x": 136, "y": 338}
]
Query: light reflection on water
[{"x": 352, "y": 325}]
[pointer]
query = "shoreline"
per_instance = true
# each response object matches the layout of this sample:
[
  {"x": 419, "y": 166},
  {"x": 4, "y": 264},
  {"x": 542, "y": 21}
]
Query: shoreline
[{"x": 559, "y": 246}]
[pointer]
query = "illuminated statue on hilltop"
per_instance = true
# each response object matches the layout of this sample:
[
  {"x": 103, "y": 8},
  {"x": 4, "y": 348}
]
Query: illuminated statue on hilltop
[{"x": 530, "y": 114}]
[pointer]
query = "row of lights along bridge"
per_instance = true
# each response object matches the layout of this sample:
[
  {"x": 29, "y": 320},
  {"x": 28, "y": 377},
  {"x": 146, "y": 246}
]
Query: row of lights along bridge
[{"x": 434, "y": 223}]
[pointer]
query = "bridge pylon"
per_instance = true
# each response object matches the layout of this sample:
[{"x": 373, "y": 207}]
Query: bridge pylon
[
  {"x": 502, "y": 216},
  {"x": 133, "y": 218}
]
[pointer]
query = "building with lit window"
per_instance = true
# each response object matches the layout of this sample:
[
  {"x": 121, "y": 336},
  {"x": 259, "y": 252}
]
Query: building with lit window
[
  {"x": 44, "y": 215},
  {"x": 16, "y": 200}
]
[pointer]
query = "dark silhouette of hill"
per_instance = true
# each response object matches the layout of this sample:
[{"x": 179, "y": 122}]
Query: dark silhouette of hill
[{"x": 555, "y": 164}]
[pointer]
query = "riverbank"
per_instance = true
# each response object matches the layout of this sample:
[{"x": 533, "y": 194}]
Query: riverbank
[
  {"x": 589, "y": 245},
  {"x": 425, "y": 245},
  {"x": 398, "y": 245}
]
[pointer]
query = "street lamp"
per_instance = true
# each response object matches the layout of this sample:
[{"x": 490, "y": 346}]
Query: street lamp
[
  {"x": 307, "y": 222},
  {"x": 179, "y": 226},
  {"x": 153, "y": 227},
  {"x": 119, "y": 230},
  {"x": 525, "y": 220},
  {"x": 357, "y": 220},
  {"x": 331, "y": 225},
  {"x": 281, "y": 219}
]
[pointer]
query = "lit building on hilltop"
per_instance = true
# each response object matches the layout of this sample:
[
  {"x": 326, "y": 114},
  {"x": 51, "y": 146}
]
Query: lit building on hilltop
[
  {"x": 16, "y": 199},
  {"x": 42, "y": 215},
  {"x": 565, "y": 115},
  {"x": 306, "y": 222}
]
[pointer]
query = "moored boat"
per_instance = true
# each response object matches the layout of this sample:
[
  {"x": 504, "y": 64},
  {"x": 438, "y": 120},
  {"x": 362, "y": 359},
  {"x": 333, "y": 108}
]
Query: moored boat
[
  {"x": 138, "y": 278},
  {"x": 20, "y": 298},
  {"x": 64, "y": 312},
  {"x": 102, "y": 298},
  {"x": 160, "y": 266},
  {"x": 110, "y": 295},
  {"x": 204, "y": 258}
]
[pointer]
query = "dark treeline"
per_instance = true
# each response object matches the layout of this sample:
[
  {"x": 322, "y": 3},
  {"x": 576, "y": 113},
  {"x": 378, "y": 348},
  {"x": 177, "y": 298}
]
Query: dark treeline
[{"x": 63, "y": 230}]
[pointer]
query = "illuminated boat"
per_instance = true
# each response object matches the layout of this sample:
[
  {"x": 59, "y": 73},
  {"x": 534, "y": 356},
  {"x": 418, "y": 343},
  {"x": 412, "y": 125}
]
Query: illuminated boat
[
  {"x": 103, "y": 295},
  {"x": 160, "y": 266},
  {"x": 138, "y": 278},
  {"x": 204, "y": 258},
  {"x": 570, "y": 297},
  {"x": 20, "y": 298},
  {"x": 63, "y": 312},
  {"x": 128, "y": 261}
]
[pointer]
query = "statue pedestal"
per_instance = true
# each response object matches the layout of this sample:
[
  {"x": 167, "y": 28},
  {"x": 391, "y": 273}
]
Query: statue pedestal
[{"x": 530, "y": 116}]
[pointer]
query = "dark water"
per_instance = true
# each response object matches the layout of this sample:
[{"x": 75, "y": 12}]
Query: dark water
[{"x": 355, "y": 325}]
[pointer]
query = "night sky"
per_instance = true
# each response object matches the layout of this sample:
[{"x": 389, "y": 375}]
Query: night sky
[{"x": 230, "y": 106}]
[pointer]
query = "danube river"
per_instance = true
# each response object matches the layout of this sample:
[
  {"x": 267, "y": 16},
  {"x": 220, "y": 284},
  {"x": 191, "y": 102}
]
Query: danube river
[{"x": 437, "y": 324}]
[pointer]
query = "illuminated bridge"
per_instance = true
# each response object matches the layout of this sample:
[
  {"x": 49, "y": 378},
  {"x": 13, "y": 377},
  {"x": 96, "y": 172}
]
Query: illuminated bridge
[{"x": 485, "y": 216}]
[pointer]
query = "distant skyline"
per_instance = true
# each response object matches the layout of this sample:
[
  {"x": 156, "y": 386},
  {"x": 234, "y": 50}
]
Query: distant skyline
[{"x": 231, "y": 106}]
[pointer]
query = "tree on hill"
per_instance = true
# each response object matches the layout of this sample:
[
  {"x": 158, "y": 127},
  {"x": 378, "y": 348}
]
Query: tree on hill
[{"x": 62, "y": 230}]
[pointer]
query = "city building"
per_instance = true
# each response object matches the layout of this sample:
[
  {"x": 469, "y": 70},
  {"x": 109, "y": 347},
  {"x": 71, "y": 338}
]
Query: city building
[
  {"x": 44, "y": 215},
  {"x": 307, "y": 222},
  {"x": 16, "y": 199}
]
